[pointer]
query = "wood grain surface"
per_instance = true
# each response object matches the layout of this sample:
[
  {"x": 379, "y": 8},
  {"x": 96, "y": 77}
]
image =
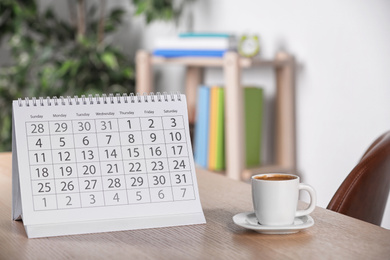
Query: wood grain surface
[{"x": 333, "y": 236}]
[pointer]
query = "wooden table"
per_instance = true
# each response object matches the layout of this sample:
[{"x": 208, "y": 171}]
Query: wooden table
[{"x": 333, "y": 236}]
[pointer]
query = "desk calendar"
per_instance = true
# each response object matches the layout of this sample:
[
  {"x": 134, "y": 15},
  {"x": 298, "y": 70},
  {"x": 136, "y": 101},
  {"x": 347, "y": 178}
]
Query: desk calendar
[{"x": 103, "y": 163}]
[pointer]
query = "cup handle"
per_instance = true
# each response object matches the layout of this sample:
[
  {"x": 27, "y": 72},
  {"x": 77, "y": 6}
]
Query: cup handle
[{"x": 313, "y": 199}]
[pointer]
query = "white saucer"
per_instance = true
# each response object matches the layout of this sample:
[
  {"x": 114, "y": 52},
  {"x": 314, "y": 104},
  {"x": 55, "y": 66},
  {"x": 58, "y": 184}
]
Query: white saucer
[{"x": 248, "y": 220}]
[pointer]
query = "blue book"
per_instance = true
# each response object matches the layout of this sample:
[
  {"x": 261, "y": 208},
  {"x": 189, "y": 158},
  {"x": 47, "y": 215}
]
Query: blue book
[
  {"x": 202, "y": 127},
  {"x": 167, "y": 53}
]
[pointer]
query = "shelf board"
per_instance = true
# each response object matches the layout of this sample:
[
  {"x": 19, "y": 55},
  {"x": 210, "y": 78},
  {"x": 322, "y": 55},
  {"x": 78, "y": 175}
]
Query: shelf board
[{"x": 215, "y": 62}]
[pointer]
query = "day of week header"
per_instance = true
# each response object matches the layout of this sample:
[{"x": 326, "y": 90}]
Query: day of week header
[
  {"x": 59, "y": 115},
  {"x": 105, "y": 113},
  {"x": 82, "y": 114},
  {"x": 126, "y": 112},
  {"x": 170, "y": 111}
]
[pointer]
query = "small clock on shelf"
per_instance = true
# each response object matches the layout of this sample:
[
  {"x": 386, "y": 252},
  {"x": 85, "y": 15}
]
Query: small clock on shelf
[{"x": 249, "y": 46}]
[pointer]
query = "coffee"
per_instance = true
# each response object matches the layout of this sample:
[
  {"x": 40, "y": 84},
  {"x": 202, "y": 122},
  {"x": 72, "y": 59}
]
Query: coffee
[
  {"x": 275, "y": 198},
  {"x": 275, "y": 177}
]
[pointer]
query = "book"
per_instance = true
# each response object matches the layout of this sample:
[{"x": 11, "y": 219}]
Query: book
[
  {"x": 205, "y": 35},
  {"x": 213, "y": 129},
  {"x": 197, "y": 43},
  {"x": 168, "y": 53},
  {"x": 103, "y": 163},
  {"x": 220, "y": 131},
  {"x": 253, "y": 110},
  {"x": 202, "y": 127}
]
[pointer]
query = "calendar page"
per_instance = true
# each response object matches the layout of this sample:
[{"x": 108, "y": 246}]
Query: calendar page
[{"x": 103, "y": 163}]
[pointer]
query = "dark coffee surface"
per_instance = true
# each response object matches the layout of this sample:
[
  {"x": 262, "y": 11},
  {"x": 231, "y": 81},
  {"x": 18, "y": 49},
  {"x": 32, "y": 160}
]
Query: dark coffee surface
[{"x": 276, "y": 177}]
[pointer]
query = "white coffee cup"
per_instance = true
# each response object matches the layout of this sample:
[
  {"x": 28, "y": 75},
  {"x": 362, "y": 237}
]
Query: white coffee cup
[{"x": 275, "y": 198}]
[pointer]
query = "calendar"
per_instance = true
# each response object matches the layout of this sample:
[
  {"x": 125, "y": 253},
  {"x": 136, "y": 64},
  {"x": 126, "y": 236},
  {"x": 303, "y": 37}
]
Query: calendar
[{"x": 103, "y": 163}]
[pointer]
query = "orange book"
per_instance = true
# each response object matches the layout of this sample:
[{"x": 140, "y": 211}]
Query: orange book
[{"x": 212, "y": 161}]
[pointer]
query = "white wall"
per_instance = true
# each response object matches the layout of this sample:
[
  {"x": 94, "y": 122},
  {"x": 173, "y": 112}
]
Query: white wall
[{"x": 343, "y": 83}]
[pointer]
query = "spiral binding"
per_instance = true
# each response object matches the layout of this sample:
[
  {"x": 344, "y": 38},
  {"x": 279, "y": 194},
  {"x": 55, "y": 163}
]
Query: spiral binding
[{"x": 100, "y": 99}]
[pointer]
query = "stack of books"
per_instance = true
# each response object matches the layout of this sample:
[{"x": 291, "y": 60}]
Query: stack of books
[
  {"x": 209, "y": 148},
  {"x": 195, "y": 45}
]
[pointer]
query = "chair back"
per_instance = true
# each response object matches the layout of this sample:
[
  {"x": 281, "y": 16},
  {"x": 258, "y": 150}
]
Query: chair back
[{"x": 364, "y": 192}]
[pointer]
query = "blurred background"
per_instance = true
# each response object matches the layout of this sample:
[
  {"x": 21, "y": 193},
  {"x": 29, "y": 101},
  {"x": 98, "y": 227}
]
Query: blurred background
[{"x": 54, "y": 48}]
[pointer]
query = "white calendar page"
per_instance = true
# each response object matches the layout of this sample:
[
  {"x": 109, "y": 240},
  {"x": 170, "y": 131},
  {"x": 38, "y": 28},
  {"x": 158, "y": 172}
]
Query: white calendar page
[{"x": 104, "y": 164}]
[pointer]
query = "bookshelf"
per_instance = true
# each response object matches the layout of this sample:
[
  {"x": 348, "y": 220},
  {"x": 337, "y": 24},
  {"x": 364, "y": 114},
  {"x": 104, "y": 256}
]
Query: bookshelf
[{"x": 232, "y": 64}]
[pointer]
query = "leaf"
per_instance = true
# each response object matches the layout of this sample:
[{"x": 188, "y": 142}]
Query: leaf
[
  {"x": 64, "y": 68},
  {"x": 110, "y": 60},
  {"x": 109, "y": 27},
  {"x": 116, "y": 14},
  {"x": 49, "y": 14},
  {"x": 141, "y": 7},
  {"x": 128, "y": 73}
]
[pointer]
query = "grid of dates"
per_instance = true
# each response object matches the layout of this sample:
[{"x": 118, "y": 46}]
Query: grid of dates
[{"x": 105, "y": 162}]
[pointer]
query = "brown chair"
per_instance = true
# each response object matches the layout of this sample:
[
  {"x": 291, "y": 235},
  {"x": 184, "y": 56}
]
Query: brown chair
[{"x": 363, "y": 194}]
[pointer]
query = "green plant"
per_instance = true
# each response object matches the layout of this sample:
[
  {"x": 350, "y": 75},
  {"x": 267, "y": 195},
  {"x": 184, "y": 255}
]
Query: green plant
[
  {"x": 53, "y": 57},
  {"x": 164, "y": 10}
]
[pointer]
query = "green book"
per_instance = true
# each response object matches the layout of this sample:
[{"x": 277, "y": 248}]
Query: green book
[
  {"x": 220, "y": 142},
  {"x": 253, "y": 109}
]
